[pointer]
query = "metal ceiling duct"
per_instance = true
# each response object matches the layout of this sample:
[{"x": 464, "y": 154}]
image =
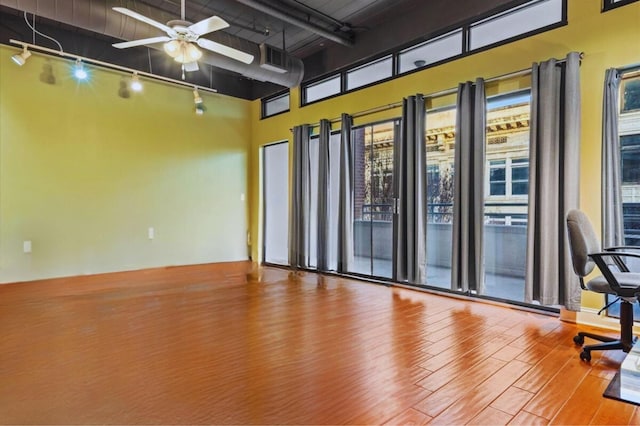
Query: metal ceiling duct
[
  {"x": 305, "y": 25},
  {"x": 98, "y": 16}
]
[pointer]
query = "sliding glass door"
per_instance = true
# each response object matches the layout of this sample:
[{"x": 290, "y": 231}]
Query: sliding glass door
[
  {"x": 440, "y": 148},
  {"x": 275, "y": 195},
  {"x": 506, "y": 188},
  {"x": 506, "y": 191},
  {"x": 373, "y": 199}
]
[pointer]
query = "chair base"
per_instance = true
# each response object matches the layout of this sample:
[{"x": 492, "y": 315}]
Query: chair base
[{"x": 625, "y": 342}]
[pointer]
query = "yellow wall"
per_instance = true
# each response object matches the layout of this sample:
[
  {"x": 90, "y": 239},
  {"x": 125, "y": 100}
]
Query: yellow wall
[
  {"x": 84, "y": 173},
  {"x": 607, "y": 39}
]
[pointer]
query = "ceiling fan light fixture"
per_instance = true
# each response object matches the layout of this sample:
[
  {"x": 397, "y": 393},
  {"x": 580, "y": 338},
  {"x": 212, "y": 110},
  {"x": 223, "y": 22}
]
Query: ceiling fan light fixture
[
  {"x": 188, "y": 53},
  {"x": 182, "y": 51},
  {"x": 172, "y": 48},
  {"x": 21, "y": 58}
]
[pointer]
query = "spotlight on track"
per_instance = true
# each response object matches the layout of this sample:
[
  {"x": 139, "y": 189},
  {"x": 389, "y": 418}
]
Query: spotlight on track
[{"x": 21, "y": 58}]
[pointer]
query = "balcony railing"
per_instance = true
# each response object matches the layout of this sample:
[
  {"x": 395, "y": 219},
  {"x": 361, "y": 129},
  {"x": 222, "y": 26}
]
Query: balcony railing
[
  {"x": 631, "y": 218},
  {"x": 510, "y": 214}
]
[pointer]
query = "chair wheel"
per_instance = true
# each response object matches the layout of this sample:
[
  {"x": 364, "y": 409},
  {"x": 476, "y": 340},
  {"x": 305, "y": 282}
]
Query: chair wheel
[
  {"x": 585, "y": 356},
  {"x": 578, "y": 339}
]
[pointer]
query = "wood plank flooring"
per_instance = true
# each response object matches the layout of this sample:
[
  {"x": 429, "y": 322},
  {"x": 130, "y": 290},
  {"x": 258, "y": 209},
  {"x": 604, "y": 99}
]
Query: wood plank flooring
[{"x": 228, "y": 344}]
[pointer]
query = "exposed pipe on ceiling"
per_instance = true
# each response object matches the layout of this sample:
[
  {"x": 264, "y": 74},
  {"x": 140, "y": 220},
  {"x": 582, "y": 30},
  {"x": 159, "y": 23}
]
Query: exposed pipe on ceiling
[
  {"x": 283, "y": 16},
  {"x": 318, "y": 14},
  {"x": 97, "y": 16}
]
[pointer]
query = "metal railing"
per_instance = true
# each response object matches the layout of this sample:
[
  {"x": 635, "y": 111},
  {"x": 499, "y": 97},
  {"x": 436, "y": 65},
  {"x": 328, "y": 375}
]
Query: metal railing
[
  {"x": 382, "y": 212},
  {"x": 631, "y": 218},
  {"x": 513, "y": 214}
]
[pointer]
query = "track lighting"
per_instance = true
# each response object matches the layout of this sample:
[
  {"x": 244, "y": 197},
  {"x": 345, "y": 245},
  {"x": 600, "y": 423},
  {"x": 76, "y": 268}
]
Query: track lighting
[
  {"x": 197, "y": 100},
  {"x": 136, "y": 85},
  {"x": 21, "y": 58},
  {"x": 79, "y": 72},
  {"x": 196, "y": 97}
]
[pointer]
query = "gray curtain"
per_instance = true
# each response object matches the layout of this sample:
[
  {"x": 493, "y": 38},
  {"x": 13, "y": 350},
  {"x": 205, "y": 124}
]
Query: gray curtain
[
  {"x": 322, "y": 236},
  {"x": 299, "y": 207},
  {"x": 467, "y": 272},
  {"x": 410, "y": 168},
  {"x": 345, "y": 202},
  {"x": 612, "y": 219},
  {"x": 554, "y": 159}
]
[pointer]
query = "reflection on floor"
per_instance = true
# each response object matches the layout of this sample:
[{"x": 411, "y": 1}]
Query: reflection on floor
[{"x": 500, "y": 286}]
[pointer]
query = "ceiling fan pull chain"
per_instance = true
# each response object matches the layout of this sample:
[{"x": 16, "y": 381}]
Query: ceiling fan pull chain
[{"x": 183, "y": 71}]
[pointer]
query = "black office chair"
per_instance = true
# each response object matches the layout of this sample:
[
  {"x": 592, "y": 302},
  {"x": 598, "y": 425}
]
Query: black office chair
[{"x": 616, "y": 279}]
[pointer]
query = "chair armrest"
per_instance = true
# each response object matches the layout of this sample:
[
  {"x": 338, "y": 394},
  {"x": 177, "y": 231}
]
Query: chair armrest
[
  {"x": 615, "y": 248},
  {"x": 615, "y": 253},
  {"x": 617, "y": 258},
  {"x": 599, "y": 259}
]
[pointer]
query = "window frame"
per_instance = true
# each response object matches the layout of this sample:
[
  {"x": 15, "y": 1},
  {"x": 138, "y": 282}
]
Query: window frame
[
  {"x": 508, "y": 167},
  {"x": 498, "y": 164},
  {"x": 464, "y": 26},
  {"x": 628, "y": 125},
  {"x": 428, "y": 42},
  {"x": 519, "y": 165},
  {"x": 608, "y": 5},
  {"x": 365, "y": 66},
  {"x": 263, "y": 209},
  {"x": 322, "y": 79},
  {"x": 511, "y": 11},
  {"x": 276, "y": 96}
]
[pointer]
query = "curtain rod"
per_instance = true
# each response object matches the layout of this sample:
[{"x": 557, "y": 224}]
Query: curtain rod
[
  {"x": 629, "y": 68},
  {"x": 441, "y": 93},
  {"x": 113, "y": 66}
]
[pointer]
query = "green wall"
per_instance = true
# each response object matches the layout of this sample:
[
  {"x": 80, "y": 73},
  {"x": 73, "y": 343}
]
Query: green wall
[{"x": 84, "y": 173}]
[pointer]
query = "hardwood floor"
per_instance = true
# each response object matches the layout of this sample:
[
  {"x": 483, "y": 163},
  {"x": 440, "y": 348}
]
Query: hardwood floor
[{"x": 223, "y": 344}]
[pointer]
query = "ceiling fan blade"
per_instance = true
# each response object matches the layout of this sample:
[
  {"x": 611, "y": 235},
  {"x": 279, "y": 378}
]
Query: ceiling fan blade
[
  {"x": 225, "y": 50},
  {"x": 141, "y": 42},
  {"x": 208, "y": 25},
  {"x": 142, "y": 18},
  {"x": 191, "y": 66}
]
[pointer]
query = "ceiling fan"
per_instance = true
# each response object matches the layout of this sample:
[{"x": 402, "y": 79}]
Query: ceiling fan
[{"x": 182, "y": 38}]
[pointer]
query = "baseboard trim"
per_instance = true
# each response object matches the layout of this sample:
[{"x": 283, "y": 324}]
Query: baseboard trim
[{"x": 590, "y": 317}]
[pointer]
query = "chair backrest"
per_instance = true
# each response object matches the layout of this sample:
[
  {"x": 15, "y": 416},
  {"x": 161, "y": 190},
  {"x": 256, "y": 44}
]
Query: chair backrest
[{"x": 582, "y": 241}]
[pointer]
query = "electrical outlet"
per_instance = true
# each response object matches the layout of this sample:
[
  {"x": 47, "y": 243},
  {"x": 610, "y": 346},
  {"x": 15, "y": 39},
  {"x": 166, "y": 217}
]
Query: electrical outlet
[
  {"x": 26, "y": 246},
  {"x": 151, "y": 233}
]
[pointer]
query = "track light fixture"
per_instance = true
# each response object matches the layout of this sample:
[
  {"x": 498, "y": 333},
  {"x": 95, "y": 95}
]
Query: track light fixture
[
  {"x": 79, "y": 72},
  {"x": 21, "y": 58},
  {"x": 196, "y": 97},
  {"x": 197, "y": 100},
  {"x": 136, "y": 85}
]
